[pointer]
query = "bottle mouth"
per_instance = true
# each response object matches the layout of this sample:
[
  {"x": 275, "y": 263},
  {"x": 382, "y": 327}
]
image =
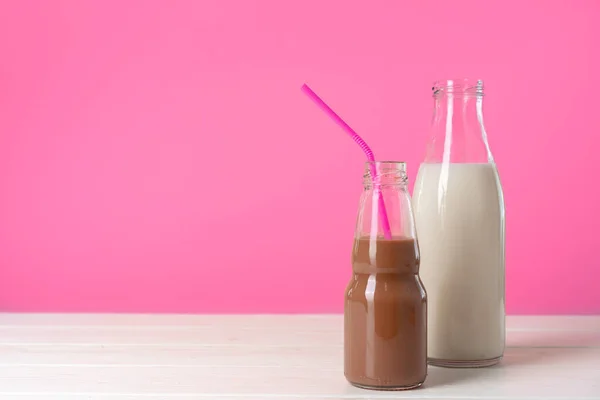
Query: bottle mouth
[
  {"x": 466, "y": 86},
  {"x": 396, "y": 164},
  {"x": 386, "y": 173}
]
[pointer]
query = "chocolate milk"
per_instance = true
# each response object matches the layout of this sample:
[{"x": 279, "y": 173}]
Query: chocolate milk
[{"x": 385, "y": 316}]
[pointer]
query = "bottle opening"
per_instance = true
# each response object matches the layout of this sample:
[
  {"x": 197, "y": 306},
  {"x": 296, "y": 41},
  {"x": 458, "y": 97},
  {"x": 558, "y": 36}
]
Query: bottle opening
[
  {"x": 386, "y": 173},
  {"x": 464, "y": 86}
]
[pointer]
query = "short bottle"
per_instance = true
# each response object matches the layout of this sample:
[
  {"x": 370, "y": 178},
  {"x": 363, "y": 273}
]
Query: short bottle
[{"x": 385, "y": 311}]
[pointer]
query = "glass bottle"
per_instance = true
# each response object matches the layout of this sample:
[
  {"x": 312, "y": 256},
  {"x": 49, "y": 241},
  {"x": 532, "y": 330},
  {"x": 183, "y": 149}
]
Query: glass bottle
[
  {"x": 459, "y": 209},
  {"x": 385, "y": 310}
]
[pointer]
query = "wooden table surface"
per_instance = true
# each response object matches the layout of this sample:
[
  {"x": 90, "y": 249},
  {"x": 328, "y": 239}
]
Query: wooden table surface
[{"x": 57, "y": 356}]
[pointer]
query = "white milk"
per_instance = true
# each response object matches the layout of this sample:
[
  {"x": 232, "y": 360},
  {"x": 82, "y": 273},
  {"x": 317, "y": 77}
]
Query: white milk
[{"x": 459, "y": 210}]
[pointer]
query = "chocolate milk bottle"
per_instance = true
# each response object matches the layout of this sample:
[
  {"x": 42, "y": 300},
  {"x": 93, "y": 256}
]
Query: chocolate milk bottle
[{"x": 385, "y": 311}]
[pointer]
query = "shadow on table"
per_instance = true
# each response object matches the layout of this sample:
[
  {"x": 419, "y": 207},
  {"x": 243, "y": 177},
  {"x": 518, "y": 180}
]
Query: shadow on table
[
  {"x": 536, "y": 350},
  {"x": 535, "y": 356},
  {"x": 438, "y": 376}
]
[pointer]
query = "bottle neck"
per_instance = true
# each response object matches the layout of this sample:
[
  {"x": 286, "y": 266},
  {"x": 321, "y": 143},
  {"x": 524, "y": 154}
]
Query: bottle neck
[
  {"x": 388, "y": 174},
  {"x": 385, "y": 208},
  {"x": 458, "y": 131}
]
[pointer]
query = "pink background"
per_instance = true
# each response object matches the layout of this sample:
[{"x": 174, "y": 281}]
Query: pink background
[{"x": 158, "y": 156}]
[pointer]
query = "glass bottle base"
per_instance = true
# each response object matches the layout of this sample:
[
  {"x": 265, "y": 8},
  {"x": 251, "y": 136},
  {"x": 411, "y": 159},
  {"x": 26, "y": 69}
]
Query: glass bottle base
[
  {"x": 437, "y": 362},
  {"x": 387, "y": 388}
]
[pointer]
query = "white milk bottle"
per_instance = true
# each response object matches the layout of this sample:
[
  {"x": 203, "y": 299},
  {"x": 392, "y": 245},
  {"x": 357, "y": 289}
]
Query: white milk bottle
[{"x": 459, "y": 211}]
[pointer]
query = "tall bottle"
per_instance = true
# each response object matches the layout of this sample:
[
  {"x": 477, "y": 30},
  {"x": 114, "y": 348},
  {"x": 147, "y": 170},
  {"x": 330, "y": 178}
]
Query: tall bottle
[
  {"x": 459, "y": 210},
  {"x": 385, "y": 308}
]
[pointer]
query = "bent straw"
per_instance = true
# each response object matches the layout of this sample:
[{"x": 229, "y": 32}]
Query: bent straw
[{"x": 362, "y": 144}]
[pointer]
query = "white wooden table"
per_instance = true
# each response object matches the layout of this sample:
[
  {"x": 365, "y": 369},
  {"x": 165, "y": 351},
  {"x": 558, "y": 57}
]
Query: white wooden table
[{"x": 92, "y": 357}]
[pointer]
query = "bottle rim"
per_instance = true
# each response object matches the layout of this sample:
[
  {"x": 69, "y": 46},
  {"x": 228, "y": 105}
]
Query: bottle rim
[
  {"x": 387, "y": 173},
  {"x": 379, "y": 163},
  {"x": 458, "y": 86}
]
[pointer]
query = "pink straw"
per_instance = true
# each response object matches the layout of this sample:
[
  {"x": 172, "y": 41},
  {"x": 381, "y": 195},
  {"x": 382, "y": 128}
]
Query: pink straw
[{"x": 361, "y": 143}]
